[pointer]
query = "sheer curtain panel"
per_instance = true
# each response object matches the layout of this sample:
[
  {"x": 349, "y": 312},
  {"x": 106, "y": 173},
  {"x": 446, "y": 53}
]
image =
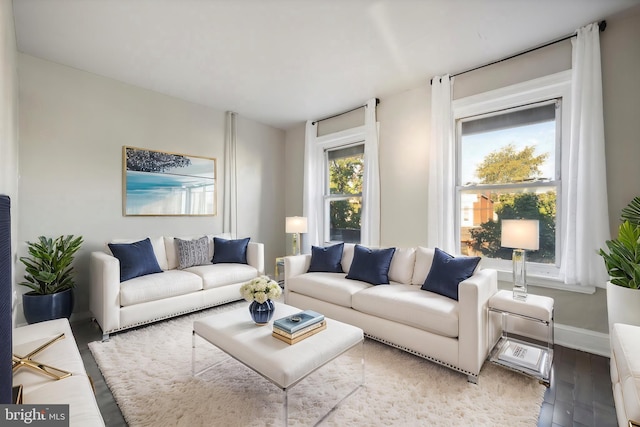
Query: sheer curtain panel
[
  {"x": 370, "y": 233},
  {"x": 441, "y": 197},
  {"x": 230, "y": 209},
  {"x": 587, "y": 225}
]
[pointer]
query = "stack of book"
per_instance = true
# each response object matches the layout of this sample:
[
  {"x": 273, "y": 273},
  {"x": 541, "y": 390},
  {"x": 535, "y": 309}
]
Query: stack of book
[
  {"x": 522, "y": 355},
  {"x": 295, "y": 328}
]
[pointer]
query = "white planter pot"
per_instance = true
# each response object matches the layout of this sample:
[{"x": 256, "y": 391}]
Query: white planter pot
[{"x": 623, "y": 305}]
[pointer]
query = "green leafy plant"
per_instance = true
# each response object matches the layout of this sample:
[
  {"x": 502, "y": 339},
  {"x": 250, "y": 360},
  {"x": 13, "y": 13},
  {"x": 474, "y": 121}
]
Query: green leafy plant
[
  {"x": 48, "y": 268},
  {"x": 631, "y": 212},
  {"x": 623, "y": 259}
]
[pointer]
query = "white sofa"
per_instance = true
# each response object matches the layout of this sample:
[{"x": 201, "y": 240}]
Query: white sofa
[
  {"x": 625, "y": 373},
  {"x": 117, "y": 306},
  {"x": 453, "y": 333},
  {"x": 76, "y": 390}
]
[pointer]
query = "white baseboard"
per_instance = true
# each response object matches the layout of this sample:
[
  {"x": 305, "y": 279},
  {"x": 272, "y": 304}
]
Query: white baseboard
[{"x": 582, "y": 339}]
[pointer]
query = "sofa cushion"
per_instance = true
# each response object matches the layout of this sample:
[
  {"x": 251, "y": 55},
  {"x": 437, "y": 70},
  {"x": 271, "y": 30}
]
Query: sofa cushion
[
  {"x": 329, "y": 287},
  {"x": 326, "y": 259},
  {"x": 158, "y": 249},
  {"x": 154, "y": 287},
  {"x": 192, "y": 252},
  {"x": 371, "y": 265},
  {"x": 447, "y": 272},
  {"x": 216, "y": 275},
  {"x": 409, "y": 305},
  {"x": 402, "y": 265},
  {"x": 230, "y": 251},
  {"x": 136, "y": 259},
  {"x": 424, "y": 258}
]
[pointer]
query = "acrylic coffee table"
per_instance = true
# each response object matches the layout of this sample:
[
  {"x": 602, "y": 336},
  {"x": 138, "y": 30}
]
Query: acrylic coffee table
[{"x": 284, "y": 365}]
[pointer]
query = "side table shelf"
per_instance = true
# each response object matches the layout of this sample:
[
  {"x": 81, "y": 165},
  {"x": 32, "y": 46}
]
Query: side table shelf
[{"x": 517, "y": 350}]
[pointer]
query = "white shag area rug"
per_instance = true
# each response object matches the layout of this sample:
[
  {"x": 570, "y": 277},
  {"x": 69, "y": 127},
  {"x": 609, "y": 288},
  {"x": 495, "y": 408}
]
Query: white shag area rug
[{"x": 149, "y": 373}]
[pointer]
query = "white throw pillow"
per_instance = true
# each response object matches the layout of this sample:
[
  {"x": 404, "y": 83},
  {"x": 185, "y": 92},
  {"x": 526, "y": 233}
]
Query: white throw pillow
[
  {"x": 402, "y": 265},
  {"x": 424, "y": 259}
]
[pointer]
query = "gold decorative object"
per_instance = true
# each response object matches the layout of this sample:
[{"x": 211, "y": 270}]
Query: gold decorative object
[{"x": 28, "y": 362}]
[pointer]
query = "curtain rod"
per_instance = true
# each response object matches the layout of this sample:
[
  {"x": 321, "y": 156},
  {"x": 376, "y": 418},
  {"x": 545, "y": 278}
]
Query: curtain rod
[
  {"x": 602, "y": 25},
  {"x": 344, "y": 112}
]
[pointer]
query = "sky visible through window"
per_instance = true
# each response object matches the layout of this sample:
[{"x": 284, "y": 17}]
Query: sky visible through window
[{"x": 475, "y": 147}]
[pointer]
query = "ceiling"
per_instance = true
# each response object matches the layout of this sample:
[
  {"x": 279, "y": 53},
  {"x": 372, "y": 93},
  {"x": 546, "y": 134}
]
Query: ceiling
[{"x": 281, "y": 62}]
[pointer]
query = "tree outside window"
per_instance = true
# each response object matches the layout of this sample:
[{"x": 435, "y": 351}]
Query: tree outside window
[{"x": 346, "y": 173}]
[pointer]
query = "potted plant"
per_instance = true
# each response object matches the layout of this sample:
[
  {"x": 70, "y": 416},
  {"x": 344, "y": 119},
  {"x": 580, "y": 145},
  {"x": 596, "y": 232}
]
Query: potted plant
[
  {"x": 623, "y": 265},
  {"x": 49, "y": 275}
]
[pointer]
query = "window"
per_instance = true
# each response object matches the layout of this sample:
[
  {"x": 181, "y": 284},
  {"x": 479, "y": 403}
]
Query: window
[
  {"x": 344, "y": 170},
  {"x": 509, "y": 165}
]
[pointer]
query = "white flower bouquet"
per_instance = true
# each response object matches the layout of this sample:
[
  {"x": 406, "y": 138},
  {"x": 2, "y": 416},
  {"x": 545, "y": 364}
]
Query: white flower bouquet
[{"x": 260, "y": 289}]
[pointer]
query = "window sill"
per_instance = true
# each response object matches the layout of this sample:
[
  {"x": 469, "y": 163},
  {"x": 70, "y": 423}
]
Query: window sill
[{"x": 547, "y": 282}]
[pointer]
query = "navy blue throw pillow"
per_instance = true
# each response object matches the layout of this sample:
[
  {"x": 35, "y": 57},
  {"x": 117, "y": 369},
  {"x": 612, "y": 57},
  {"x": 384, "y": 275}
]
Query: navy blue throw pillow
[
  {"x": 136, "y": 259},
  {"x": 371, "y": 265},
  {"x": 447, "y": 272},
  {"x": 327, "y": 259},
  {"x": 230, "y": 251}
]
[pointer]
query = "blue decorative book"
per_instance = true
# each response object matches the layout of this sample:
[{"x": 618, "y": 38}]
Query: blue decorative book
[{"x": 297, "y": 321}]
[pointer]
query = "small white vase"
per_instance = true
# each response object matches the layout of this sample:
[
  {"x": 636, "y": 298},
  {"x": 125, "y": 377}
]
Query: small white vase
[{"x": 623, "y": 305}]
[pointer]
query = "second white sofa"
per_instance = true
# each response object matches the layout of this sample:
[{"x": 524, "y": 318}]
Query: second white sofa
[
  {"x": 117, "y": 305},
  {"x": 453, "y": 333},
  {"x": 75, "y": 391}
]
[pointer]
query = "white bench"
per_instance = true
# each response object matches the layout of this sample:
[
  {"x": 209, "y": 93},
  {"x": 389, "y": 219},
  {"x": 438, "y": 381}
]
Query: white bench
[{"x": 76, "y": 390}]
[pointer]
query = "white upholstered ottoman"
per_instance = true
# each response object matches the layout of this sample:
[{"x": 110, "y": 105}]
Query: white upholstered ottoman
[
  {"x": 284, "y": 365},
  {"x": 625, "y": 373}
]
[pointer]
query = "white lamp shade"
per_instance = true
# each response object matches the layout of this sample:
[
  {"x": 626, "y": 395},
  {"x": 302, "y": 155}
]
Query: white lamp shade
[
  {"x": 521, "y": 234},
  {"x": 296, "y": 224}
]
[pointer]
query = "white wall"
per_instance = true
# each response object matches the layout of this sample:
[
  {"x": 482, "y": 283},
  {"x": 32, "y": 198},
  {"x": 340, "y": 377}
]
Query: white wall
[
  {"x": 73, "y": 125},
  {"x": 405, "y": 133}
]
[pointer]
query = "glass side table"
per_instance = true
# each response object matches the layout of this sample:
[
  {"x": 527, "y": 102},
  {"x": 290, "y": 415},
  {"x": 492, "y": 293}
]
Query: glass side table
[
  {"x": 279, "y": 271},
  {"x": 526, "y": 342}
]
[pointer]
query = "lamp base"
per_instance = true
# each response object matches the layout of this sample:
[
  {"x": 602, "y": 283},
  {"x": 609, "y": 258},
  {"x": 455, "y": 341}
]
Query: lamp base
[
  {"x": 519, "y": 275},
  {"x": 520, "y": 293}
]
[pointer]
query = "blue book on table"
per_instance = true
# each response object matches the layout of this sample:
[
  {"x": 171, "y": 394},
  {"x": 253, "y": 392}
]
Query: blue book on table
[{"x": 297, "y": 321}]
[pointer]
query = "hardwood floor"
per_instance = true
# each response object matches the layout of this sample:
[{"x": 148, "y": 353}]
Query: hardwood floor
[{"x": 580, "y": 393}]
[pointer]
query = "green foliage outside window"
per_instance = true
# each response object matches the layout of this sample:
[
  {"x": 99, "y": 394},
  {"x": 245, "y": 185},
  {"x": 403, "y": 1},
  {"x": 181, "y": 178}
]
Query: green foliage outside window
[
  {"x": 346, "y": 178},
  {"x": 510, "y": 166}
]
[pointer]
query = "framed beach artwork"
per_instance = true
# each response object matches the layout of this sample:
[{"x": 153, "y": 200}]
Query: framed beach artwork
[{"x": 160, "y": 183}]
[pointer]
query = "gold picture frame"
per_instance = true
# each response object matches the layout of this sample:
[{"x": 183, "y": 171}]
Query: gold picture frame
[{"x": 160, "y": 183}]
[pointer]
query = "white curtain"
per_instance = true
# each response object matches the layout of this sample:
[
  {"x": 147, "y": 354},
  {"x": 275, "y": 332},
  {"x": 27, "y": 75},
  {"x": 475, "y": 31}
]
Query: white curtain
[
  {"x": 587, "y": 224},
  {"x": 313, "y": 176},
  {"x": 313, "y": 203},
  {"x": 370, "y": 218},
  {"x": 230, "y": 204},
  {"x": 441, "y": 198}
]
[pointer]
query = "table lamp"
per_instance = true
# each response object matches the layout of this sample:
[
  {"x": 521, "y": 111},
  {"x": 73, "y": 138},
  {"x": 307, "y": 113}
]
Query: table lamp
[
  {"x": 296, "y": 225},
  {"x": 522, "y": 235}
]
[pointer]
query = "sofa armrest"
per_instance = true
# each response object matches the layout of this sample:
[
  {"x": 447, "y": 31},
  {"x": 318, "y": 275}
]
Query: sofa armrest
[
  {"x": 104, "y": 301},
  {"x": 255, "y": 256},
  {"x": 294, "y": 266},
  {"x": 475, "y": 334}
]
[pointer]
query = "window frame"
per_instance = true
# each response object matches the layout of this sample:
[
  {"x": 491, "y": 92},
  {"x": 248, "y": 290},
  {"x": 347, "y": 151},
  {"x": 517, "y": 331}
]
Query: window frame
[
  {"x": 327, "y": 196},
  {"x": 326, "y": 143},
  {"x": 555, "y": 86}
]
